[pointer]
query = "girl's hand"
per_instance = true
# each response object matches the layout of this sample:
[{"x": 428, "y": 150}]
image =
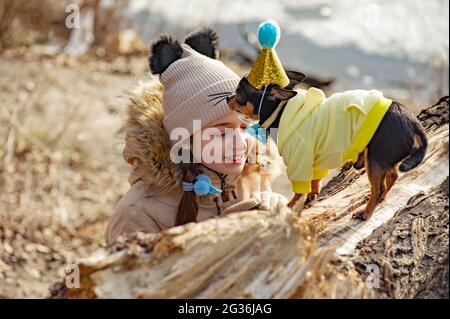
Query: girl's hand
[
  {"x": 269, "y": 200},
  {"x": 260, "y": 200},
  {"x": 245, "y": 205}
]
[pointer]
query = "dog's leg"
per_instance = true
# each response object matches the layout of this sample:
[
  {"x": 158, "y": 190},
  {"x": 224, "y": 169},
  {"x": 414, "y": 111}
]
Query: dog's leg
[
  {"x": 359, "y": 164},
  {"x": 297, "y": 203},
  {"x": 315, "y": 189},
  {"x": 376, "y": 176},
  {"x": 391, "y": 178},
  {"x": 294, "y": 200}
]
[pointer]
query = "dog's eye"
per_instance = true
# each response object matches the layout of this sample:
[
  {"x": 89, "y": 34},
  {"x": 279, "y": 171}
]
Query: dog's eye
[
  {"x": 230, "y": 97},
  {"x": 240, "y": 100}
]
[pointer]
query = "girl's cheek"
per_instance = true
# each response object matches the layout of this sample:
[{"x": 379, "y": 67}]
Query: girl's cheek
[
  {"x": 249, "y": 140},
  {"x": 238, "y": 140}
]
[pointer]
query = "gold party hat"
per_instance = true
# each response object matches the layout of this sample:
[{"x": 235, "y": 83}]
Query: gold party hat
[{"x": 268, "y": 68}]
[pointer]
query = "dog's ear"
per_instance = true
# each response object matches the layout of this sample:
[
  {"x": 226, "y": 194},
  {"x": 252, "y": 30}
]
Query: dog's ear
[
  {"x": 245, "y": 84},
  {"x": 241, "y": 91},
  {"x": 164, "y": 51},
  {"x": 282, "y": 94},
  {"x": 204, "y": 41},
  {"x": 294, "y": 79}
]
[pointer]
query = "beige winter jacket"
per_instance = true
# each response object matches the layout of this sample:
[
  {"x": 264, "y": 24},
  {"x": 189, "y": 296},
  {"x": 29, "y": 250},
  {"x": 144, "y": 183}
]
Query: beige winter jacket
[{"x": 151, "y": 203}]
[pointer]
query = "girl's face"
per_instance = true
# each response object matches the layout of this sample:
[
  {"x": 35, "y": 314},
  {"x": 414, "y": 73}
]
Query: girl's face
[{"x": 224, "y": 145}]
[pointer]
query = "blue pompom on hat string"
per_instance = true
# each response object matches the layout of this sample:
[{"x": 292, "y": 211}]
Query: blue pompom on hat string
[
  {"x": 202, "y": 186},
  {"x": 258, "y": 132}
]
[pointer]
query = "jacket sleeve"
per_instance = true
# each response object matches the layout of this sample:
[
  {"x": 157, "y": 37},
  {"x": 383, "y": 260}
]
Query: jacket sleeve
[{"x": 129, "y": 219}]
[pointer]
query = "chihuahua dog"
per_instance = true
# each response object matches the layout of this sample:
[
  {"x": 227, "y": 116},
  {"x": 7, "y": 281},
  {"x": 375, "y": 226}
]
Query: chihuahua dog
[{"x": 399, "y": 138}]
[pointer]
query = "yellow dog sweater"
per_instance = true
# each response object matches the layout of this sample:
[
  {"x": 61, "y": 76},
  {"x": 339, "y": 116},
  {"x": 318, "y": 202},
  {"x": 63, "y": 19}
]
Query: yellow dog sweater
[{"x": 318, "y": 133}]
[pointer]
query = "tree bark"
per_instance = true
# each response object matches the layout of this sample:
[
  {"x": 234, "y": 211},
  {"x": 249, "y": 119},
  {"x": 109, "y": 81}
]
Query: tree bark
[{"x": 401, "y": 252}]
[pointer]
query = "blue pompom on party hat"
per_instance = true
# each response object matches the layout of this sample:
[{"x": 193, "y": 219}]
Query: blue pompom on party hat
[
  {"x": 269, "y": 34},
  {"x": 268, "y": 69}
]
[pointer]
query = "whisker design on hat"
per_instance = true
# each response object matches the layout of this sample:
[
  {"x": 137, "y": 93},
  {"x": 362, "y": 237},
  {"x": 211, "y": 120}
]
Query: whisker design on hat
[
  {"x": 214, "y": 94},
  {"x": 219, "y": 96},
  {"x": 223, "y": 99}
]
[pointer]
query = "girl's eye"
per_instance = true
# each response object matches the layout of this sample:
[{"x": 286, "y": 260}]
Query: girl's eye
[{"x": 242, "y": 127}]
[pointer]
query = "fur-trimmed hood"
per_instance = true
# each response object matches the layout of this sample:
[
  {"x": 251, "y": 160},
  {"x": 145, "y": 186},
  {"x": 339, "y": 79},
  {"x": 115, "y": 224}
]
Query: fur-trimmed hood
[{"x": 148, "y": 145}]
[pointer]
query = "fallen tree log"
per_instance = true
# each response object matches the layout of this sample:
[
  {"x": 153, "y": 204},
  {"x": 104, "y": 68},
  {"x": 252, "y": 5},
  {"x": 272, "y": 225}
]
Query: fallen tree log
[
  {"x": 255, "y": 254},
  {"x": 411, "y": 250},
  {"x": 323, "y": 254}
]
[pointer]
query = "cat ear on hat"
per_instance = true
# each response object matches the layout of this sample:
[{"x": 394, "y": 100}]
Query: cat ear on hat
[
  {"x": 163, "y": 52},
  {"x": 204, "y": 41}
]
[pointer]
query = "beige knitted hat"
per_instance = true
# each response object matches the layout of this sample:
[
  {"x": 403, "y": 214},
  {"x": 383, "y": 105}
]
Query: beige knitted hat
[{"x": 195, "y": 83}]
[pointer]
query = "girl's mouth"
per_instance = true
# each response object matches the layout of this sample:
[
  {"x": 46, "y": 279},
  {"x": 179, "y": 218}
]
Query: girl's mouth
[{"x": 235, "y": 160}]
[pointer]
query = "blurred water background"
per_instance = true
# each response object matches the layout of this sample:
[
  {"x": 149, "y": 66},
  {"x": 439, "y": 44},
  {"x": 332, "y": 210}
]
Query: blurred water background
[{"x": 398, "y": 46}]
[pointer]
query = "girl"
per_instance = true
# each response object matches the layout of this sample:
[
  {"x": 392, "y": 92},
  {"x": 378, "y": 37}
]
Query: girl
[{"x": 164, "y": 120}]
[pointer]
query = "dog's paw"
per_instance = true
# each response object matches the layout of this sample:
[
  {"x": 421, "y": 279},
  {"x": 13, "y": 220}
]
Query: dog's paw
[
  {"x": 297, "y": 203},
  {"x": 291, "y": 203},
  {"x": 347, "y": 166},
  {"x": 362, "y": 215},
  {"x": 310, "y": 199},
  {"x": 311, "y": 196}
]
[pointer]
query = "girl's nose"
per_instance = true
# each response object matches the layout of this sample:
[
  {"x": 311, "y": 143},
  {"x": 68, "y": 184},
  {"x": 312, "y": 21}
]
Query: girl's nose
[{"x": 241, "y": 142}]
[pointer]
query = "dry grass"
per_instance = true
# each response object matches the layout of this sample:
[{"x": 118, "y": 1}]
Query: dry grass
[{"x": 61, "y": 170}]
